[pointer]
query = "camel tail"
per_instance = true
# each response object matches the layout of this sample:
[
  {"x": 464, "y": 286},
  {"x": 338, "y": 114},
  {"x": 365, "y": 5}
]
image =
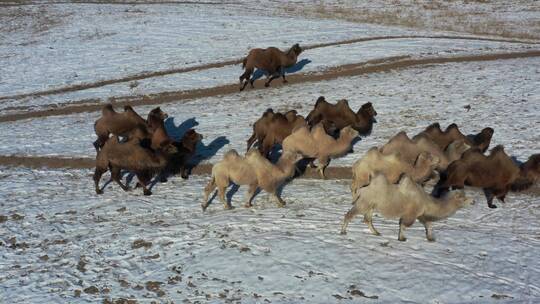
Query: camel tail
[
  {"x": 244, "y": 62},
  {"x": 251, "y": 140},
  {"x": 521, "y": 184}
]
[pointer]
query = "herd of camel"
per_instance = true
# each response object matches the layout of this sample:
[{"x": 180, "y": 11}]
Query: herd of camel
[{"x": 388, "y": 180}]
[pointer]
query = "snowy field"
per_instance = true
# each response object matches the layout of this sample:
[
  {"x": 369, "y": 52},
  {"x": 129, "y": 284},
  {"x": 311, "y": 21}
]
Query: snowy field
[
  {"x": 499, "y": 93},
  {"x": 62, "y": 243}
]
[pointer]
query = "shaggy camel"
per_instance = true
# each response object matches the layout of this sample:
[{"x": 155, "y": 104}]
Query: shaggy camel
[
  {"x": 340, "y": 115},
  {"x": 406, "y": 201},
  {"x": 120, "y": 124},
  {"x": 409, "y": 149},
  {"x": 496, "y": 174},
  {"x": 392, "y": 166},
  {"x": 156, "y": 124},
  {"x": 317, "y": 144},
  {"x": 154, "y": 118},
  {"x": 452, "y": 133},
  {"x": 130, "y": 156},
  {"x": 185, "y": 149},
  {"x": 253, "y": 170},
  {"x": 272, "y": 60},
  {"x": 272, "y": 128}
]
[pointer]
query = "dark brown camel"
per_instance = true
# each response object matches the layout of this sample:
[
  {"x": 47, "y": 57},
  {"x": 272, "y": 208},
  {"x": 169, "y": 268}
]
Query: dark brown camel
[
  {"x": 185, "y": 149},
  {"x": 452, "y": 133},
  {"x": 340, "y": 115},
  {"x": 131, "y": 156},
  {"x": 496, "y": 174},
  {"x": 120, "y": 124},
  {"x": 272, "y": 60},
  {"x": 272, "y": 128}
]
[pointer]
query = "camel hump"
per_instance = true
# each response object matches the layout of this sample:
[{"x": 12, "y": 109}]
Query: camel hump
[
  {"x": 497, "y": 149},
  {"x": 452, "y": 126},
  {"x": 434, "y": 125},
  {"x": 402, "y": 135},
  {"x": 231, "y": 154},
  {"x": 108, "y": 109},
  {"x": 343, "y": 103},
  {"x": 320, "y": 100},
  {"x": 268, "y": 112},
  {"x": 128, "y": 108},
  {"x": 488, "y": 131}
]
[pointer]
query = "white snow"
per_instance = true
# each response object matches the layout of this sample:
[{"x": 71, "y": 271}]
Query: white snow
[
  {"x": 286, "y": 255},
  {"x": 500, "y": 93}
]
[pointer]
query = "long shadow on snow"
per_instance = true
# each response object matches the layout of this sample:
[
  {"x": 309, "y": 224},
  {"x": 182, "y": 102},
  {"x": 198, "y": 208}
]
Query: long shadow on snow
[{"x": 290, "y": 70}]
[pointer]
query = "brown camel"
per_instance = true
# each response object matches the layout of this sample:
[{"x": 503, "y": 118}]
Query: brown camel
[
  {"x": 452, "y": 133},
  {"x": 131, "y": 156},
  {"x": 120, "y": 124},
  {"x": 272, "y": 128},
  {"x": 496, "y": 174},
  {"x": 340, "y": 115},
  {"x": 272, "y": 60}
]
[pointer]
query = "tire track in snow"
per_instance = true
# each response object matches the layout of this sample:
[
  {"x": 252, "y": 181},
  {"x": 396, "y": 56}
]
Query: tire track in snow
[
  {"x": 372, "y": 66},
  {"x": 146, "y": 75}
]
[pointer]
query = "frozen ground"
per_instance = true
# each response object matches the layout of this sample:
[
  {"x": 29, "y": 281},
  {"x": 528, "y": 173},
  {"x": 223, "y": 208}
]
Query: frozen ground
[
  {"x": 311, "y": 61},
  {"x": 502, "y": 94},
  {"x": 60, "y": 239},
  {"x": 52, "y": 46}
]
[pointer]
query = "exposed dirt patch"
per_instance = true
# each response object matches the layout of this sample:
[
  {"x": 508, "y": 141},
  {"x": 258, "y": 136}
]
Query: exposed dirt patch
[
  {"x": 141, "y": 243},
  {"x": 389, "y": 64}
]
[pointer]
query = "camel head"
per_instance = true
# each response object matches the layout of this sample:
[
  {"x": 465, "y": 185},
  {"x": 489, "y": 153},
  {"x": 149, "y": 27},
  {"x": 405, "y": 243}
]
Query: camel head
[
  {"x": 296, "y": 49},
  {"x": 157, "y": 112},
  {"x": 459, "y": 198}
]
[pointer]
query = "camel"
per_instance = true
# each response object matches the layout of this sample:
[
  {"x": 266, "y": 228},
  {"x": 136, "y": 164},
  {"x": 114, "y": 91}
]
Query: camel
[
  {"x": 406, "y": 201},
  {"x": 272, "y": 128},
  {"x": 452, "y": 133},
  {"x": 120, "y": 124},
  {"x": 185, "y": 149},
  {"x": 340, "y": 115},
  {"x": 272, "y": 60},
  {"x": 130, "y": 156},
  {"x": 496, "y": 174},
  {"x": 317, "y": 144},
  {"x": 410, "y": 149},
  {"x": 392, "y": 166},
  {"x": 253, "y": 170}
]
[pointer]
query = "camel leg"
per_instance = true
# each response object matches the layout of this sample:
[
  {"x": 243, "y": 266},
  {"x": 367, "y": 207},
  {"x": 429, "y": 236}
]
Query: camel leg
[
  {"x": 115, "y": 175},
  {"x": 404, "y": 223},
  {"x": 489, "y": 197},
  {"x": 246, "y": 76},
  {"x": 221, "y": 194},
  {"x": 280, "y": 202},
  {"x": 97, "y": 177},
  {"x": 283, "y": 74},
  {"x": 250, "y": 194},
  {"x": 348, "y": 218},
  {"x": 323, "y": 163},
  {"x": 207, "y": 190},
  {"x": 144, "y": 178},
  {"x": 368, "y": 219},
  {"x": 429, "y": 231}
]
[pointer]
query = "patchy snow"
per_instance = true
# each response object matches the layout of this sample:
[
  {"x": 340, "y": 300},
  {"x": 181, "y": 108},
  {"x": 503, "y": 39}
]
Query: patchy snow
[
  {"x": 502, "y": 94},
  {"x": 61, "y": 44},
  {"x": 60, "y": 239},
  {"x": 312, "y": 60}
]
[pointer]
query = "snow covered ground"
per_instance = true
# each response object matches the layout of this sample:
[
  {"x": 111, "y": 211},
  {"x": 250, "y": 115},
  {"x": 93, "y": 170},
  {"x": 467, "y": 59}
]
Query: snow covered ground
[
  {"x": 311, "y": 61},
  {"x": 86, "y": 43},
  {"x": 500, "y": 93},
  {"x": 62, "y": 243}
]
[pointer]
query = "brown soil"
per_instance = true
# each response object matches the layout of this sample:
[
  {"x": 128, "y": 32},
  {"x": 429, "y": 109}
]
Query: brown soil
[
  {"x": 373, "y": 66},
  {"x": 146, "y": 75}
]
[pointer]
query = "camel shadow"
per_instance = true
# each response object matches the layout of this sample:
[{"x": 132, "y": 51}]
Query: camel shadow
[
  {"x": 177, "y": 132},
  {"x": 290, "y": 70},
  {"x": 205, "y": 152}
]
